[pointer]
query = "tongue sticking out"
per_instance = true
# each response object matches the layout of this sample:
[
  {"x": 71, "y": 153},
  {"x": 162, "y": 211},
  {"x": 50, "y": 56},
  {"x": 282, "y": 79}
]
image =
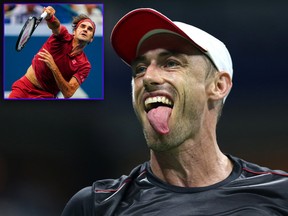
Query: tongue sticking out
[{"x": 158, "y": 118}]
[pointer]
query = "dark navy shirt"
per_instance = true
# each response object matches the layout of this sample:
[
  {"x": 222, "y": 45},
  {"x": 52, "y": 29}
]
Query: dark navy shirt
[{"x": 250, "y": 190}]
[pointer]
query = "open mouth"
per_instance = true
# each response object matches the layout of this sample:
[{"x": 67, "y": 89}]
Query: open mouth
[
  {"x": 154, "y": 102},
  {"x": 159, "y": 109}
]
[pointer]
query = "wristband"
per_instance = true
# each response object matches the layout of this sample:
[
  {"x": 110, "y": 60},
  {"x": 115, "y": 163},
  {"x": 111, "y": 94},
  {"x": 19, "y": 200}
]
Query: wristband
[{"x": 51, "y": 19}]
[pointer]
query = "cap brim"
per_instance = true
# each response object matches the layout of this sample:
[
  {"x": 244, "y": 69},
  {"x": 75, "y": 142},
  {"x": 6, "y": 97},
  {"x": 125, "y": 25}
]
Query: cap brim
[{"x": 131, "y": 28}]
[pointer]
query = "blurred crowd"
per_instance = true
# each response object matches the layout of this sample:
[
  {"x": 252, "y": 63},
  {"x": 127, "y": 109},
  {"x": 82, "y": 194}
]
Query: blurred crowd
[{"x": 19, "y": 13}]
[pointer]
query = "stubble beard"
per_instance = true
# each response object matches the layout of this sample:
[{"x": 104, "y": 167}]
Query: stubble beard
[
  {"x": 179, "y": 133},
  {"x": 161, "y": 143}
]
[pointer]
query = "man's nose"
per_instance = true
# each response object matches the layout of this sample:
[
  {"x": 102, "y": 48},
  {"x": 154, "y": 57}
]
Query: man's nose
[{"x": 152, "y": 76}]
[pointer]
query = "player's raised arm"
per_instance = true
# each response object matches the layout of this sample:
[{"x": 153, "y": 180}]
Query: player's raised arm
[{"x": 52, "y": 21}]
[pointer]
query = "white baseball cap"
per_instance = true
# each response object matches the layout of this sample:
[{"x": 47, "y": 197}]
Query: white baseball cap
[{"x": 136, "y": 26}]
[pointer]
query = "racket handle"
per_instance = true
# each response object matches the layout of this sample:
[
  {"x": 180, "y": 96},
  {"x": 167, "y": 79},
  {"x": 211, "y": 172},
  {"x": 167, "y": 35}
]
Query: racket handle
[{"x": 43, "y": 15}]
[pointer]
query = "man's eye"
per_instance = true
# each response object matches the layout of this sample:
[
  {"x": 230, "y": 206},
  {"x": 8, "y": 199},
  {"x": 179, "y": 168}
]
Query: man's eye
[
  {"x": 171, "y": 63},
  {"x": 139, "y": 70}
]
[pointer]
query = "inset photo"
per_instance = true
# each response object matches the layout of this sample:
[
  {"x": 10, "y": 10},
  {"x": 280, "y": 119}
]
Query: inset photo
[{"x": 53, "y": 51}]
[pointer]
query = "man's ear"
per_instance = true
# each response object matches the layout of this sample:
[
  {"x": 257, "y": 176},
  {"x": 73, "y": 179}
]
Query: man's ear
[{"x": 220, "y": 87}]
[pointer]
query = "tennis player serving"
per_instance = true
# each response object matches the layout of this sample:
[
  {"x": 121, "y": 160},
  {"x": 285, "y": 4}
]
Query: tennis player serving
[{"x": 60, "y": 65}]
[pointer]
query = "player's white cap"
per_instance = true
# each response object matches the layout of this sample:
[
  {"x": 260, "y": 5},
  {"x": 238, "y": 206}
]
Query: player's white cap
[{"x": 138, "y": 25}]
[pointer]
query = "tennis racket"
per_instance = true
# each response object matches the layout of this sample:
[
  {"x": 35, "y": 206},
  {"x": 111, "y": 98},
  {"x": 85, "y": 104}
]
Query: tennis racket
[{"x": 27, "y": 30}]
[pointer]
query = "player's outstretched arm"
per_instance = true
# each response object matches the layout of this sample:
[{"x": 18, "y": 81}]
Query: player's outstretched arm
[{"x": 52, "y": 21}]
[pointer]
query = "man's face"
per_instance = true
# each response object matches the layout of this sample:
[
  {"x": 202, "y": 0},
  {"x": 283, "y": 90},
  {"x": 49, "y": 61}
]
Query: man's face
[
  {"x": 84, "y": 32},
  {"x": 169, "y": 93}
]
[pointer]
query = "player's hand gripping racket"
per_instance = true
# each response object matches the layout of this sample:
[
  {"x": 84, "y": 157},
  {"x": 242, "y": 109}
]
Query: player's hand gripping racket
[{"x": 27, "y": 30}]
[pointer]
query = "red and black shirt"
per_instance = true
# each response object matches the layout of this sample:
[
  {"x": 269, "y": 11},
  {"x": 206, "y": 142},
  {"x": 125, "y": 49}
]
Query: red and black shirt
[{"x": 249, "y": 190}]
